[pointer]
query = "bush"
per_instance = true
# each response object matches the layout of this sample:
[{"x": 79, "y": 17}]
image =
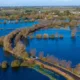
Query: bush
[
  {"x": 61, "y": 36},
  {"x": 24, "y": 64},
  {"x": 25, "y": 55},
  {"x": 31, "y": 37},
  {"x": 51, "y": 36},
  {"x": 4, "y": 65},
  {"x": 73, "y": 35},
  {"x": 15, "y": 64},
  {"x": 28, "y": 63},
  {"x": 45, "y": 36},
  {"x": 39, "y": 36}
]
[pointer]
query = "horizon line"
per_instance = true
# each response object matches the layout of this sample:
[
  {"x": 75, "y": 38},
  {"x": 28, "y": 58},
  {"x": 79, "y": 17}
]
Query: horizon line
[{"x": 42, "y": 6}]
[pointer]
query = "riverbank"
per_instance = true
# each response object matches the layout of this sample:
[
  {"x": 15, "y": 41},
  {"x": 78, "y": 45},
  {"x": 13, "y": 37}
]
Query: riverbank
[{"x": 46, "y": 74}]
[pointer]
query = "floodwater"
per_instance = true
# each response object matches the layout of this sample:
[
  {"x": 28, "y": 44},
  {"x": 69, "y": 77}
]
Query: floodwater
[{"x": 64, "y": 49}]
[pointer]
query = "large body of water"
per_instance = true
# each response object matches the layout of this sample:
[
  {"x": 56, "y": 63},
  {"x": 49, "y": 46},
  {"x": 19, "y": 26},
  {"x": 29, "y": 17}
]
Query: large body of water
[
  {"x": 21, "y": 74},
  {"x": 66, "y": 48}
]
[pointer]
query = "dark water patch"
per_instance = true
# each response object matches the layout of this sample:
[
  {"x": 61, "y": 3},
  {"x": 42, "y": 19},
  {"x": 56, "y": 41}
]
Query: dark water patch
[{"x": 22, "y": 74}]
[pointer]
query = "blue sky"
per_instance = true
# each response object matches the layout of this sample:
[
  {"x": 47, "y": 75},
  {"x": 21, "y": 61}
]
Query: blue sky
[{"x": 38, "y": 2}]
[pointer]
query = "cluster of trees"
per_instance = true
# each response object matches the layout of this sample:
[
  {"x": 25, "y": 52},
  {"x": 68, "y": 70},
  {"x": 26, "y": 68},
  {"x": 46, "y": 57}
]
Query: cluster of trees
[
  {"x": 62, "y": 63},
  {"x": 33, "y": 53},
  {"x": 4, "y": 65},
  {"x": 77, "y": 69},
  {"x": 73, "y": 20},
  {"x": 7, "y": 42},
  {"x": 20, "y": 51},
  {"x": 17, "y": 63},
  {"x": 46, "y": 36},
  {"x": 28, "y": 63},
  {"x": 55, "y": 61},
  {"x": 15, "y": 21},
  {"x": 17, "y": 38},
  {"x": 17, "y": 14}
]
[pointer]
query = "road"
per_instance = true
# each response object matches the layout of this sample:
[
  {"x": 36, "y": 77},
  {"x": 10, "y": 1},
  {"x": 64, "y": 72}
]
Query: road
[{"x": 67, "y": 74}]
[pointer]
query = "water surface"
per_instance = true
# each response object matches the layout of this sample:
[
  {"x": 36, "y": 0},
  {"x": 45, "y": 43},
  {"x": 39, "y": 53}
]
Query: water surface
[
  {"x": 21, "y": 74},
  {"x": 64, "y": 49},
  {"x": 9, "y": 27}
]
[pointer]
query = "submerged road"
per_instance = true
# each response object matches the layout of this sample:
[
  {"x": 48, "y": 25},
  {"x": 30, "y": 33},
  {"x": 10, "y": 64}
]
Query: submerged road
[{"x": 61, "y": 71}]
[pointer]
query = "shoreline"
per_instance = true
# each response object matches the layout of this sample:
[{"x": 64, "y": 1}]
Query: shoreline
[{"x": 42, "y": 72}]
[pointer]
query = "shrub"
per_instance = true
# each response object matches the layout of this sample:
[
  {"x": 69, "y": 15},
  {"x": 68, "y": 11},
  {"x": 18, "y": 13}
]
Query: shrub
[
  {"x": 24, "y": 64},
  {"x": 39, "y": 36},
  {"x": 51, "y": 36},
  {"x": 31, "y": 37},
  {"x": 45, "y": 36},
  {"x": 4, "y": 65},
  {"x": 25, "y": 55},
  {"x": 28, "y": 63},
  {"x": 15, "y": 64},
  {"x": 73, "y": 35},
  {"x": 61, "y": 36}
]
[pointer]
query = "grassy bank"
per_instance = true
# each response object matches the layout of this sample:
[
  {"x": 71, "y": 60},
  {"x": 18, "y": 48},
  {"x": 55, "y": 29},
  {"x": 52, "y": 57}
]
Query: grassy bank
[{"x": 41, "y": 70}]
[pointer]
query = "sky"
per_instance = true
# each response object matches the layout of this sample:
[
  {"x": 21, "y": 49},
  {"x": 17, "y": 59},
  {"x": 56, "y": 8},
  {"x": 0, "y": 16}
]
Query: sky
[{"x": 39, "y": 2}]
